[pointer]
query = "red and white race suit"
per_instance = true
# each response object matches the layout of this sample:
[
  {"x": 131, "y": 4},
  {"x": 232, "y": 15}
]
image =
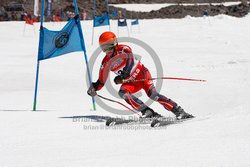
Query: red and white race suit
[{"x": 122, "y": 61}]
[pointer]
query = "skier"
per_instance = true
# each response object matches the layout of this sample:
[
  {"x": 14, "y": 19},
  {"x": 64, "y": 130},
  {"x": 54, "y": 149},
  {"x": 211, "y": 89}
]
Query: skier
[{"x": 119, "y": 59}]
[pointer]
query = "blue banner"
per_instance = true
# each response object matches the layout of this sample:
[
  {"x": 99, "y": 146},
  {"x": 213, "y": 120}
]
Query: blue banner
[
  {"x": 115, "y": 13},
  {"x": 57, "y": 43},
  {"x": 135, "y": 22},
  {"x": 122, "y": 23},
  {"x": 101, "y": 20}
]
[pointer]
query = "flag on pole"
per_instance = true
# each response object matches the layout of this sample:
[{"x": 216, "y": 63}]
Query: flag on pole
[
  {"x": 101, "y": 20},
  {"x": 122, "y": 23},
  {"x": 57, "y": 43},
  {"x": 135, "y": 22}
]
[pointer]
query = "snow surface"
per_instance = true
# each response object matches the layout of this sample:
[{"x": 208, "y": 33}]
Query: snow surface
[
  {"x": 215, "y": 49},
  {"x": 149, "y": 7}
]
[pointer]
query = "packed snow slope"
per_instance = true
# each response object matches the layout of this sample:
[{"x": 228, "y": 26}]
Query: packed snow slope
[{"x": 215, "y": 49}]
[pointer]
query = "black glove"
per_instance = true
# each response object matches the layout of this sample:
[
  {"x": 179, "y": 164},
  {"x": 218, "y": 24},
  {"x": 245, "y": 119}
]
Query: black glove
[
  {"x": 118, "y": 79},
  {"x": 92, "y": 91}
]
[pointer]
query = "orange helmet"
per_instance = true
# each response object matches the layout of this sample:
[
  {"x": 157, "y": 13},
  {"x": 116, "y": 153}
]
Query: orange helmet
[
  {"x": 107, "y": 40},
  {"x": 107, "y": 37}
]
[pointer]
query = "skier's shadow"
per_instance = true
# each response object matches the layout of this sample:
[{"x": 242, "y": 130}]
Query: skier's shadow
[{"x": 87, "y": 118}]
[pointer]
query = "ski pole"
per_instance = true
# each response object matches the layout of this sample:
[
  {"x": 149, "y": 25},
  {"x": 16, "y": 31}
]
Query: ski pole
[
  {"x": 130, "y": 109},
  {"x": 172, "y": 78}
]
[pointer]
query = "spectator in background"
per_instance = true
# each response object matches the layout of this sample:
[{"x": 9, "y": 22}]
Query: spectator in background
[
  {"x": 19, "y": 17},
  {"x": 84, "y": 15},
  {"x": 56, "y": 17},
  {"x": 13, "y": 16},
  {"x": 205, "y": 13},
  {"x": 6, "y": 16},
  {"x": 70, "y": 14},
  {"x": 1, "y": 15},
  {"x": 62, "y": 15}
]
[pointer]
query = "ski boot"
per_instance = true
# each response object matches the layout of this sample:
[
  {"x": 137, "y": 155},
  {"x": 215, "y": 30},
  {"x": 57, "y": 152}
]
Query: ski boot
[
  {"x": 180, "y": 113},
  {"x": 150, "y": 113}
]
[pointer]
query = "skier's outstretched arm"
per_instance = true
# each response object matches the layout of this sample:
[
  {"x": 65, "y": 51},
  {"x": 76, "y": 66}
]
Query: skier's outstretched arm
[{"x": 98, "y": 85}]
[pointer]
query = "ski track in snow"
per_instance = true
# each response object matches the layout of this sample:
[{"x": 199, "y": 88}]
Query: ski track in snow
[{"x": 215, "y": 49}]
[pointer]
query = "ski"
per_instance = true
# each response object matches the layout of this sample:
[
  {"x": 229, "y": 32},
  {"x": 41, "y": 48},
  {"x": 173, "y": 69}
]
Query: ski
[
  {"x": 119, "y": 121},
  {"x": 165, "y": 122},
  {"x": 116, "y": 121},
  {"x": 171, "y": 121},
  {"x": 153, "y": 122}
]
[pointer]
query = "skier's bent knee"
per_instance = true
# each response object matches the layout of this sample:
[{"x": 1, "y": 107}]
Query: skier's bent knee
[{"x": 121, "y": 93}]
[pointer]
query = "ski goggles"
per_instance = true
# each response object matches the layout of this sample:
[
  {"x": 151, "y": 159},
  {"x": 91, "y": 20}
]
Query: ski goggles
[{"x": 108, "y": 46}]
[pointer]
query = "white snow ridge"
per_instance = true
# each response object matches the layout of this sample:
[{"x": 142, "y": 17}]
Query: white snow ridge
[{"x": 62, "y": 134}]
